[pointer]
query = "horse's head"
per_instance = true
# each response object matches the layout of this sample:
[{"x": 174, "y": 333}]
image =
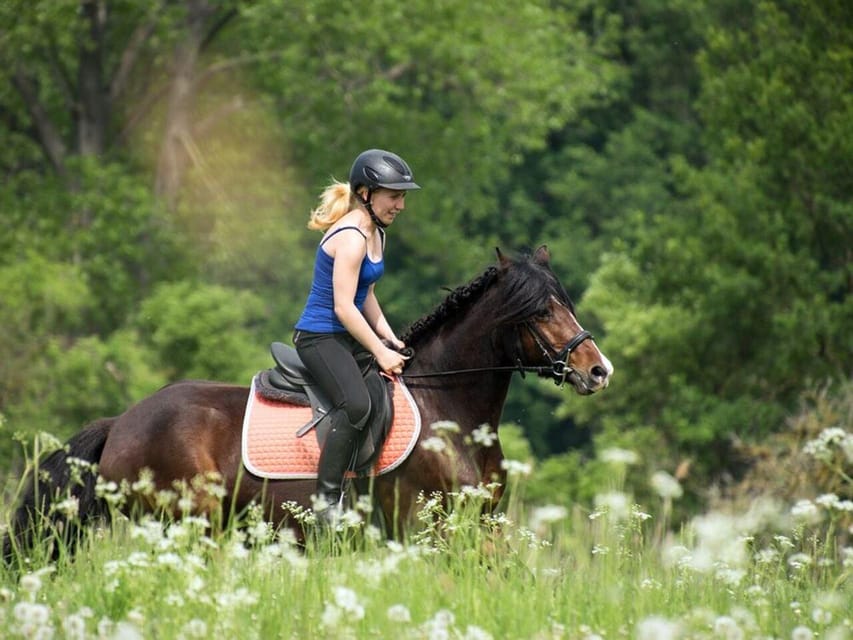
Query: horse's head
[{"x": 549, "y": 334}]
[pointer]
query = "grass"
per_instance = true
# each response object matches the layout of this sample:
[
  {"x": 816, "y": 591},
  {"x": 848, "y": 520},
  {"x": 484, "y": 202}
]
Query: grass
[{"x": 607, "y": 571}]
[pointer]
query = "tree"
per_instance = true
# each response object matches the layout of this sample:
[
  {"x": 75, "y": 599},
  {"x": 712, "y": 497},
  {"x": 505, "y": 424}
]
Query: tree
[{"x": 734, "y": 299}]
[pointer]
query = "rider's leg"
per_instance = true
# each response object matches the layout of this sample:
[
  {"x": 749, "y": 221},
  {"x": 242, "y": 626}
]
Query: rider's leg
[{"x": 330, "y": 359}]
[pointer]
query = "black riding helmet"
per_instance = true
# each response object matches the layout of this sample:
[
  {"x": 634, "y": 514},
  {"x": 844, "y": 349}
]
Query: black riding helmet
[{"x": 376, "y": 168}]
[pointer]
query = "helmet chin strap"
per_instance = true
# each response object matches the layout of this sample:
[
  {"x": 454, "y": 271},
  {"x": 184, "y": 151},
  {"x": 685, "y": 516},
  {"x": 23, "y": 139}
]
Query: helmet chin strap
[{"x": 369, "y": 206}]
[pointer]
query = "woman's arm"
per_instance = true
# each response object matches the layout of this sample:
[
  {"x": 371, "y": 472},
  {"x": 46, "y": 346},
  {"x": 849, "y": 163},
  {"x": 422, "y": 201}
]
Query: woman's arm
[
  {"x": 376, "y": 319},
  {"x": 348, "y": 257}
]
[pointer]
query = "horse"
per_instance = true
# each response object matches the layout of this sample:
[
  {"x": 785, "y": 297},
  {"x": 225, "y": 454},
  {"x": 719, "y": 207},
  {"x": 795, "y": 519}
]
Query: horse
[{"x": 515, "y": 316}]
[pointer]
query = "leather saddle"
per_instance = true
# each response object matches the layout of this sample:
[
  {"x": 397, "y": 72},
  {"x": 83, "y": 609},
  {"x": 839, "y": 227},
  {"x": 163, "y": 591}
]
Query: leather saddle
[{"x": 290, "y": 381}]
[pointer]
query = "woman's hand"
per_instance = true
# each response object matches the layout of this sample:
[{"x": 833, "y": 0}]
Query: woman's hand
[{"x": 390, "y": 361}]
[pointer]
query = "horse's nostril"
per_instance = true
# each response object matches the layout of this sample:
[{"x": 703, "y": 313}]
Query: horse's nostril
[{"x": 599, "y": 373}]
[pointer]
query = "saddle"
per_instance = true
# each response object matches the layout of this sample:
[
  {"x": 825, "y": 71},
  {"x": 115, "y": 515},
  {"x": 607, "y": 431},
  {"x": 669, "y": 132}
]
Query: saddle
[{"x": 290, "y": 381}]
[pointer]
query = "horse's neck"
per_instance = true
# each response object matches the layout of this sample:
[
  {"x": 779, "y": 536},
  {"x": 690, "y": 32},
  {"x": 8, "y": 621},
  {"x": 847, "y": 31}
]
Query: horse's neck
[{"x": 476, "y": 397}]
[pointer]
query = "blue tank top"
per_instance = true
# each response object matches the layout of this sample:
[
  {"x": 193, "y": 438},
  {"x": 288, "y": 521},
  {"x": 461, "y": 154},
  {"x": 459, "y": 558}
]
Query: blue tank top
[{"x": 319, "y": 313}]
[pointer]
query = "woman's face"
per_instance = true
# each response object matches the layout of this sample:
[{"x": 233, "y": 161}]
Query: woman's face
[{"x": 387, "y": 203}]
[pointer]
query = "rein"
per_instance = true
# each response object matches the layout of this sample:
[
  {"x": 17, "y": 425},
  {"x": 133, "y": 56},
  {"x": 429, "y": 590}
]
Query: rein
[{"x": 559, "y": 366}]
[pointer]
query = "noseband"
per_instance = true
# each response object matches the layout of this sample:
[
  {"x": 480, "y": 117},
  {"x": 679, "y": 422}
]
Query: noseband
[{"x": 560, "y": 367}]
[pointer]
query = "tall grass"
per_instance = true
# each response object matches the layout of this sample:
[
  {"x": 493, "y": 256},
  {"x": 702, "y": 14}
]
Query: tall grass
[{"x": 612, "y": 569}]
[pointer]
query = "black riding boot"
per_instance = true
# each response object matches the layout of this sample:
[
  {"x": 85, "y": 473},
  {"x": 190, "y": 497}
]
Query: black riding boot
[{"x": 335, "y": 459}]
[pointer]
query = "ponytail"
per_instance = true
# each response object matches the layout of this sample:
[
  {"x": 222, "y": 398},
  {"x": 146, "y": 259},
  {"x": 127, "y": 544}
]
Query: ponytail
[{"x": 335, "y": 202}]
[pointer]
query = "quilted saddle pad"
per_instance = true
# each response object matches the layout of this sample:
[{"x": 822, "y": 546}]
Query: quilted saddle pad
[{"x": 272, "y": 450}]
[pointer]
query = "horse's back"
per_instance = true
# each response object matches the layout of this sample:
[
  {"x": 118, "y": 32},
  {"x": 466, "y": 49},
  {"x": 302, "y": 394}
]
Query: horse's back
[{"x": 185, "y": 429}]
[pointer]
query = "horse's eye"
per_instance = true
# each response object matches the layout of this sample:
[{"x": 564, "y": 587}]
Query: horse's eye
[{"x": 544, "y": 314}]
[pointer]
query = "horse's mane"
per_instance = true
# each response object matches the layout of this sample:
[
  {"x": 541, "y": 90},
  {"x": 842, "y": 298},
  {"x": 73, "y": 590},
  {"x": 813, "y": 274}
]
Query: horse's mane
[{"x": 526, "y": 286}]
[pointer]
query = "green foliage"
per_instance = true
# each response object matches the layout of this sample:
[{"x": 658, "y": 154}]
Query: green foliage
[
  {"x": 202, "y": 331},
  {"x": 723, "y": 302},
  {"x": 95, "y": 378},
  {"x": 449, "y": 87}
]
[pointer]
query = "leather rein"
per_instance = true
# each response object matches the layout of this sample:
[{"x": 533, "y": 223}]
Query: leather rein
[{"x": 558, "y": 366}]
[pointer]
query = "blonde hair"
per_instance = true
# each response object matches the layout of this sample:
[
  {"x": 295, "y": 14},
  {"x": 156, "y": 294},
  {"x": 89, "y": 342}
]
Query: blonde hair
[{"x": 335, "y": 202}]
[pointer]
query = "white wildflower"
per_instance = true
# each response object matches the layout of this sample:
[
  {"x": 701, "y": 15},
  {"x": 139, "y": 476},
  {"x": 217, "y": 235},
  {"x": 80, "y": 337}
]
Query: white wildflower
[
  {"x": 260, "y": 532},
  {"x": 650, "y": 584},
  {"x": 822, "y": 447},
  {"x": 731, "y": 577},
  {"x": 31, "y": 615},
  {"x": 319, "y": 503},
  {"x": 165, "y": 498},
  {"x": 657, "y": 628},
  {"x": 195, "y": 628},
  {"x": 350, "y": 519},
  {"x": 70, "y": 507},
  {"x": 638, "y": 514},
  {"x": 719, "y": 540},
  {"x": 516, "y": 468},
  {"x": 666, "y": 486},
  {"x": 821, "y": 616},
  {"x": 806, "y": 511},
  {"x": 126, "y": 631},
  {"x": 144, "y": 485},
  {"x": 399, "y": 613},
  {"x": 827, "y": 501},
  {"x": 440, "y": 625},
  {"x": 435, "y": 444},
  {"x": 479, "y": 492},
  {"x": 766, "y": 555},
  {"x": 31, "y": 583},
  {"x": 473, "y": 632},
  {"x": 845, "y": 505},
  {"x": 170, "y": 560},
  {"x": 847, "y": 557},
  {"x": 347, "y": 601},
  {"x": 548, "y": 514},
  {"x": 74, "y": 627},
  {"x": 676, "y": 555},
  {"x": 799, "y": 560},
  {"x": 616, "y": 504},
  {"x": 802, "y": 633},
  {"x": 445, "y": 426},
  {"x": 618, "y": 456},
  {"x": 47, "y": 443},
  {"x": 483, "y": 435},
  {"x": 240, "y": 597},
  {"x": 784, "y": 541},
  {"x": 728, "y": 628}
]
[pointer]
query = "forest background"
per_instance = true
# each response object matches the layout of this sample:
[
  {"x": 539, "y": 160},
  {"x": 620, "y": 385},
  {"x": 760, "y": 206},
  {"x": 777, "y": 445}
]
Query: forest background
[{"x": 687, "y": 162}]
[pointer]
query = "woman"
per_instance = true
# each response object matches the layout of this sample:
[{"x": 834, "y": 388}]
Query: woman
[{"x": 342, "y": 318}]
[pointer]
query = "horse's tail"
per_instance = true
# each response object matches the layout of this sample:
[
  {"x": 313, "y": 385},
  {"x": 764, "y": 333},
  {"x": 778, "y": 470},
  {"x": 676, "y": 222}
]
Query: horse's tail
[{"x": 59, "y": 496}]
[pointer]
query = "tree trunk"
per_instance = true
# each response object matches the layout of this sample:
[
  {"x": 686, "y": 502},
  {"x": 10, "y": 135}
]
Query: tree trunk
[
  {"x": 94, "y": 93},
  {"x": 46, "y": 133},
  {"x": 172, "y": 162}
]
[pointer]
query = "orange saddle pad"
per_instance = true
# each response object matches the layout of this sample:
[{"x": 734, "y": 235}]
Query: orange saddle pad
[{"x": 272, "y": 450}]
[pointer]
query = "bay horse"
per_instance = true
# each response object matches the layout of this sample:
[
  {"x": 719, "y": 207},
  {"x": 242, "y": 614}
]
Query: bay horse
[{"x": 516, "y": 316}]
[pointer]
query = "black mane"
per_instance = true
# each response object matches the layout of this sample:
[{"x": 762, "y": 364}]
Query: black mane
[{"x": 526, "y": 286}]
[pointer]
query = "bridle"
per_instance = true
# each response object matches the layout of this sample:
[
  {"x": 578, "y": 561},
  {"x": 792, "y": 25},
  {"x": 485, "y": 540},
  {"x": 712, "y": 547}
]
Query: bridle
[{"x": 558, "y": 366}]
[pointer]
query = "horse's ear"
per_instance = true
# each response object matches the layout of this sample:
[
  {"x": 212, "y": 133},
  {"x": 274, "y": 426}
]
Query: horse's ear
[
  {"x": 503, "y": 261},
  {"x": 542, "y": 255}
]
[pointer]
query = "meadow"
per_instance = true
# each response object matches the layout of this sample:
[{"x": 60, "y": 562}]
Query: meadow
[{"x": 610, "y": 569}]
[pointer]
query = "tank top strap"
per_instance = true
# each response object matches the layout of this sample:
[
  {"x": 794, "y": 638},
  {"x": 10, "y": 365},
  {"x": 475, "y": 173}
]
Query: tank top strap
[{"x": 336, "y": 231}]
